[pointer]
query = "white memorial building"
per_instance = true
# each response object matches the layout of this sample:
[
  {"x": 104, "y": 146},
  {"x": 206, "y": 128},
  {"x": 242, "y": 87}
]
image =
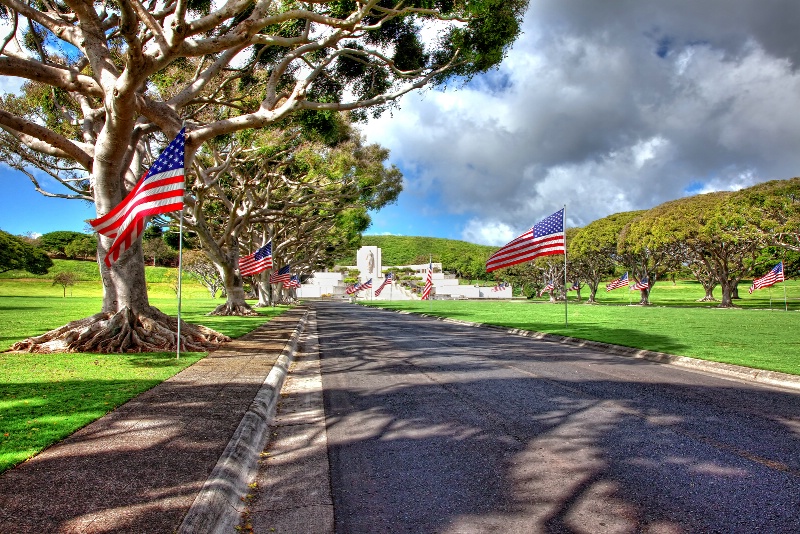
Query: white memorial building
[{"x": 370, "y": 266}]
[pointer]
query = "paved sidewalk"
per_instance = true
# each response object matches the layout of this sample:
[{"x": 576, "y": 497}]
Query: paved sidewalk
[
  {"x": 141, "y": 467},
  {"x": 292, "y": 491}
]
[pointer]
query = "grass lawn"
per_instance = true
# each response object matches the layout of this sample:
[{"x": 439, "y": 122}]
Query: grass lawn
[
  {"x": 751, "y": 336},
  {"x": 44, "y": 398}
]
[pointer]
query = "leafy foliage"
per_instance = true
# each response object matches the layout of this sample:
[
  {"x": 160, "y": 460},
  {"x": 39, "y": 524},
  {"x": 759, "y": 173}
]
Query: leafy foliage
[{"x": 16, "y": 254}]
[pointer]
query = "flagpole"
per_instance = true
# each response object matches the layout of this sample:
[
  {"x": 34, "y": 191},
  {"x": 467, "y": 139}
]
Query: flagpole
[
  {"x": 180, "y": 287},
  {"x": 430, "y": 273},
  {"x": 180, "y": 262},
  {"x": 629, "y": 290},
  {"x": 783, "y": 273},
  {"x": 564, "y": 228}
]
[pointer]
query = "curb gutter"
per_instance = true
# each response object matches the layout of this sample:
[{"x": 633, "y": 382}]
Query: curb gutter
[
  {"x": 219, "y": 504},
  {"x": 772, "y": 378}
]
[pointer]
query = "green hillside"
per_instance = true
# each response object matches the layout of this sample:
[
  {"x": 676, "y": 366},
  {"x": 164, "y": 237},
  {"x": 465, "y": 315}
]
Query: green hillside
[{"x": 408, "y": 250}]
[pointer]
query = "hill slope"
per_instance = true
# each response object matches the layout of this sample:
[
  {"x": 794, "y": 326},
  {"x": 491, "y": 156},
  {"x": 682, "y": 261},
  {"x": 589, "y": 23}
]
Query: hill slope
[{"x": 408, "y": 250}]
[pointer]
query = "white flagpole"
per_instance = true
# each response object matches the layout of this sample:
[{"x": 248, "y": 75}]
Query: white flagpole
[
  {"x": 430, "y": 273},
  {"x": 783, "y": 272},
  {"x": 180, "y": 287},
  {"x": 180, "y": 262},
  {"x": 564, "y": 228}
]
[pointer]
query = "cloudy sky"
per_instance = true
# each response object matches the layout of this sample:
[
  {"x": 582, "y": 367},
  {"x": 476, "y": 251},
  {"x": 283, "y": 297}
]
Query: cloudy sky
[
  {"x": 605, "y": 107},
  {"x": 600, "y": 106}
]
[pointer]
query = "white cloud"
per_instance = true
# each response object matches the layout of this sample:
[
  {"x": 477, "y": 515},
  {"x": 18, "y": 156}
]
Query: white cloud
[
  {"x": 607, "y": 108},
  {"x": 487, "y": 233}
]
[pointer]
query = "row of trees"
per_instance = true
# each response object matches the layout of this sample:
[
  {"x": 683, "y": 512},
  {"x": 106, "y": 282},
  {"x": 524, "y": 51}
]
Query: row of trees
[
  {"x": 720, "y": 238},
  {"x": 107, "y": 83}
]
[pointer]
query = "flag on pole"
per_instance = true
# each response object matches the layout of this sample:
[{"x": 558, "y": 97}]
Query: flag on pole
[
  {"x": 426, "y": 291},
  {"x": 386, "y": 282},
  {"x": 772, "y": 277},
  {"x": 575, "y": 286},
  {"x": 293, "y": 282},
  {"x": 366, "y": 285},
  {"x": 159, "y": 191},
  {"x": 500, "y": 286},
  {"x": 281, "y": 276},
  {"x": 258, "y": 261},
  {"x": 545, "y": 238},
  {"x": 352, "y": 288},
  {"x": 545, "y": 289},
  {"x": 644, "y": 283},
  {"x": 622, "y": 281}
]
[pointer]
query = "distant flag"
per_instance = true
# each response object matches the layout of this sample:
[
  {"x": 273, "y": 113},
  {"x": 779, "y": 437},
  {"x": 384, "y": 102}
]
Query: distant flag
[
  {"x": 644, "y": 283},
  {"x": 386, "y": 282},
  {"x": 622, "y": 281},
  {"x": 352, "y": 288},
  {"x": 258, "y": 261},
  {"x": 426, "y": 291},
  {"x": 772, "y": 277},
  {"x": 575, "y": 286},
  {"x": 545, "y": 238},
  {"x": 545, "y": 289},
  {"x": 366, "y": 285},
  {"x": 500, "y": 286},
  {"x": 293, "y": 282},
  {"x": 281, "y": 276},
  {"x": 159, "y": 191}
]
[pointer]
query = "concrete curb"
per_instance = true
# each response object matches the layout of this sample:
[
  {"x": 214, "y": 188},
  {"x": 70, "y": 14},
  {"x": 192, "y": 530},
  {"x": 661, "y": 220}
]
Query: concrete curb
[
  {"x": 218, "y": 506},
  {"x": 772, "y": 378}
]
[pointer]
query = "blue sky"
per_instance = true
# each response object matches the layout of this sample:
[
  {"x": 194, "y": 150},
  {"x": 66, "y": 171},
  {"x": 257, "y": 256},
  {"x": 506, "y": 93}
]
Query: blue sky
[{"x": 602, "y": 106}]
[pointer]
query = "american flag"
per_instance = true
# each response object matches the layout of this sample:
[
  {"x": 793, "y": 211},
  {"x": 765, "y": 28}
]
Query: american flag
[
  {"x": 545, "y": 289},
  {"x": 386, "y": 282},
  {"x": 352, "y": 288},
  {"x": 366, "y": 285},
  {"x": 281, "y": 276},
  {"x": 545, "y": 238},
  {"x": 644, "y": 283},
  {"x": 258, "y": 261},
  {"x": 622, "y": 281},
  {"x": 426, "y": 291},
  {"x": 576, "y": 286},
  {"x": 500, "y": 286},
  {"x": 772, "y": 277},
  {"x": 159, "y": 191},
  {"x": 293, "y": 282}
]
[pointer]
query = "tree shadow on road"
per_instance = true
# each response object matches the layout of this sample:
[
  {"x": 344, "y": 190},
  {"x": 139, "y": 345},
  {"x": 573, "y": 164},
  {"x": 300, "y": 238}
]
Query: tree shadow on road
[{"x": 448, "y": 435}]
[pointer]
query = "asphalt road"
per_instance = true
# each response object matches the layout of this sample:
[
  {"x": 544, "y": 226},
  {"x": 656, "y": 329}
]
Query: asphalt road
[{"x": 436, "y": 427}]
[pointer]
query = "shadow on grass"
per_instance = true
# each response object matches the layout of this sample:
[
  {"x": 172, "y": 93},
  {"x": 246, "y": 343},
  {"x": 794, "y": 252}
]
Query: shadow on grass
[{"x": 139, "y": 468}]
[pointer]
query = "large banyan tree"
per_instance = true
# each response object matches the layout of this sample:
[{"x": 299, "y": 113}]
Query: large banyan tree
[{"x": 107, "y": 83}]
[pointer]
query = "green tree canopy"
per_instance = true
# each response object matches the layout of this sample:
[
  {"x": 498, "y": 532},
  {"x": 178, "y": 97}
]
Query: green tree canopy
[
  {"x": 593, "y": 253},
  {"x": 15, "y": 254},
  {"x": 57, "y": 242}
]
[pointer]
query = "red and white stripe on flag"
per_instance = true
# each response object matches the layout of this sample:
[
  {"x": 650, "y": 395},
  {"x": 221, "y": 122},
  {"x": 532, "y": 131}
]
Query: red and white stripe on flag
[
  {"x": 426, "y": 291},
  {"x": 159, "y": 191},
  {"x": 544, "y": 239}
]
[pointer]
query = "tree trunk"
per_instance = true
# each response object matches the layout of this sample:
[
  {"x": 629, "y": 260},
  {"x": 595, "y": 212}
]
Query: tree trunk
[
  {"x": 264, "y": 293},
  {"x": 709, "y": 294},
  {"x": 127, "y": 322},
  {"x": 235, "y": 303},
  {"x": 592, "y": 294},
  {"x": 644, "y": 299},
  {"x": 727, "y": 295}
]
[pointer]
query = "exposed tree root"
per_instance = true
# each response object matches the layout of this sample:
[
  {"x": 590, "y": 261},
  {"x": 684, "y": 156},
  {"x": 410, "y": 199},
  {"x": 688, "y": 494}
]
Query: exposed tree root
[
  {"x": 707, "y": 298},
  {"x": 124, "y": 331},
  {"x": 234, "y": 309}
]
